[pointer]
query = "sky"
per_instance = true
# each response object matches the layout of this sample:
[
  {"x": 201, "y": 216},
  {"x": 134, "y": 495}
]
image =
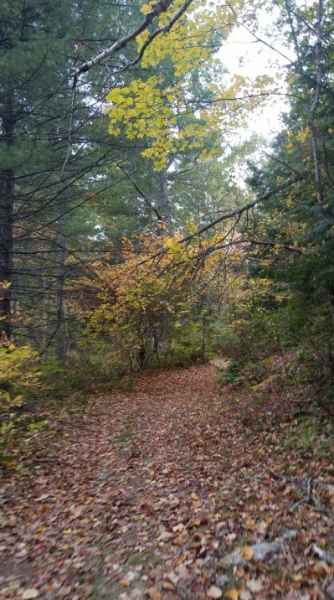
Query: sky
[{"x": 243, "y": 54}]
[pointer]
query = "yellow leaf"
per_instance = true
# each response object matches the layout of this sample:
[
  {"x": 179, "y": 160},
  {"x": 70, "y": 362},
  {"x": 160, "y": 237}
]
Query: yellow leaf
[{"x": 232, "y": 594}]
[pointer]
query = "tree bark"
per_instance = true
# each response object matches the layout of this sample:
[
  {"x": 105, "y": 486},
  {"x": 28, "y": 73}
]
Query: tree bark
[
  {"x": 315, "y": 104},
  {"x": 164, "y": 205},
  {"x": 7, "y": 188},
  {"x": 60, "y": 302}
]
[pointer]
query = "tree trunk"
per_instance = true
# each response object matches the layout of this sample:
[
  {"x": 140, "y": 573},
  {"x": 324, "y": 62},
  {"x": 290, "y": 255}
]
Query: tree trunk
[
  {"x": 6, "y": 220},
  {"x": 164, "y": 205},
  {"x": 60, "y": 304}
]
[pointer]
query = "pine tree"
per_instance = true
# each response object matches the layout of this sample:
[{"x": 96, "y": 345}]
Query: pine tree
[{"x": 54, "y": 146}]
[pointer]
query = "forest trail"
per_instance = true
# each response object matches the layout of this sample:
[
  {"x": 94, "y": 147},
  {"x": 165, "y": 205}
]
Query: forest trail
[{"x": 148, "y": 493}]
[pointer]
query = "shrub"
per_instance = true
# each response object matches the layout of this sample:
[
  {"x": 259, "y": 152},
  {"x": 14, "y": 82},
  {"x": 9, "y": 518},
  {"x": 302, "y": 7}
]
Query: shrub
[
  {"x": 20, "y": 380},
  {"x": 19, "y": 375}
]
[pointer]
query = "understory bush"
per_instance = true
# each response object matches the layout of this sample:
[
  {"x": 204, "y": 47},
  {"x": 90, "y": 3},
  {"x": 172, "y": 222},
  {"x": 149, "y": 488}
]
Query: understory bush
[
  {"x": 158, "y": 305},
  {"x": 271, "y": 331},
  {"x": 20, "y": 383},
  {"x": 93, "y": 365},
  {"x": 19, "y": 375}
]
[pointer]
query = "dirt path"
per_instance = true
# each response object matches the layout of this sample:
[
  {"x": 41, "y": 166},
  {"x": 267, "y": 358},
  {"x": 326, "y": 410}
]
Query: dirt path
[{"x": 149, "y": 493}]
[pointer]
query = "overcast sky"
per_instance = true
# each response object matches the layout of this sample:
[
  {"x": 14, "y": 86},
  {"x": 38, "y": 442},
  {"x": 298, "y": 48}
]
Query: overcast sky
[{"x": 243, "y": 54}]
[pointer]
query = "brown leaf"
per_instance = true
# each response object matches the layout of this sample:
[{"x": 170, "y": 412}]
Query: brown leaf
[
  {"x": 168, "y": 585},
  {"x": 153, "y": 593},
  {"x": 250, "y": 523},
  {"x": 247, "y": 553}
]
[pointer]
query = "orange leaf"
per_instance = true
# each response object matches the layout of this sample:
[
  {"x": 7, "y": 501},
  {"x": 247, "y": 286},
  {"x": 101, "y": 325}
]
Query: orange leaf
[
  {"x": 153, "y": 593},
  {"x": 247, "y": 553}
]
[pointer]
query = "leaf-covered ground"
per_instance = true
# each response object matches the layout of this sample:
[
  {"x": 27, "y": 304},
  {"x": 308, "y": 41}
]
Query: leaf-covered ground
[{"x": 175, "y": 490}]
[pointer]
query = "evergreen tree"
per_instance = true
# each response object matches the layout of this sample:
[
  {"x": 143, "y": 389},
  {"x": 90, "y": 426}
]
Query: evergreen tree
[{"x": 54, "y": 147}]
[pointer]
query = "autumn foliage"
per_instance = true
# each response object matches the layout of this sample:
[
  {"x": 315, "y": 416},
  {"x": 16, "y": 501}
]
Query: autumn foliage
[{"x": 155, "y": 304}]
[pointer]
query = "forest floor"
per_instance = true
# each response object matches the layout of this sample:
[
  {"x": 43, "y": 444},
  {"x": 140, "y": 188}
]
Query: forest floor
[{"x": 175, "y": 490}]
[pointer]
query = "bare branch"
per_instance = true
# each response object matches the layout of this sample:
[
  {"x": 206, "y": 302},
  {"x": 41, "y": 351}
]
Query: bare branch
[
  {"x": 141, "y": 193},
  {"x": 260, "y": 39},
  {"x": 235, "y": 214}
]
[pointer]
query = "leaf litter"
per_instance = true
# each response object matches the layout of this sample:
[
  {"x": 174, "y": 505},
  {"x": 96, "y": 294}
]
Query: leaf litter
[{"x": 168, "y": 492}]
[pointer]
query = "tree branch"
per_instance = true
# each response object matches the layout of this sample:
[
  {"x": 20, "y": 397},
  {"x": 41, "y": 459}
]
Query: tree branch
[
  {"x": 235, "y": 214},
  {"x": 157, "y": 10},
  {"x": 157, "y": 32}
]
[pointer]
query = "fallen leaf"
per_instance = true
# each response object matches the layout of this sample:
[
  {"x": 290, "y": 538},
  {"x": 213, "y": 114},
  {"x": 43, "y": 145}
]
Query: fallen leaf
[
  {"x": 250, "y": 523},
  {"x": 153, "y": 593},
  {"x": 245, "y": 595},
  {"x": 30, "y": 594},
  {"x": 254, "y": 585},
  {"x": 262, "y": 527},
  {"x": 330, "y": 590},
  {"x": 173, "y": 577},
  {"x": 247, "y": 553},
  {"x": 128, "y": 579},
  {"x": 232, "y": 594},
  {"x": 76, "y": 511},
  {"x": 174, "y": 502},
  {"x": 165, "y": 536},
  {"x": 42, "y": 498},
  {"x": 214, "y": 592},
  {"x": 168, "y": 585}
]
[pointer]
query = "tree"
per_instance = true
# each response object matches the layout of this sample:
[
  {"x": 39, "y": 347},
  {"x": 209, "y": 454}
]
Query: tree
[
  {"x": 52, "y": 149},
  {"x": 292, "y": 235},
  {"x": 181, "y": 109},
  {"x": 154, "y": 304}
]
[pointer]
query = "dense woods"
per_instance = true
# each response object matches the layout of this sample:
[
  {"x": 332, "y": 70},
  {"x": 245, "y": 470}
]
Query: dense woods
[
  {"x": 124, "y": 211},
  {"x": 148, "y": 220}
]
